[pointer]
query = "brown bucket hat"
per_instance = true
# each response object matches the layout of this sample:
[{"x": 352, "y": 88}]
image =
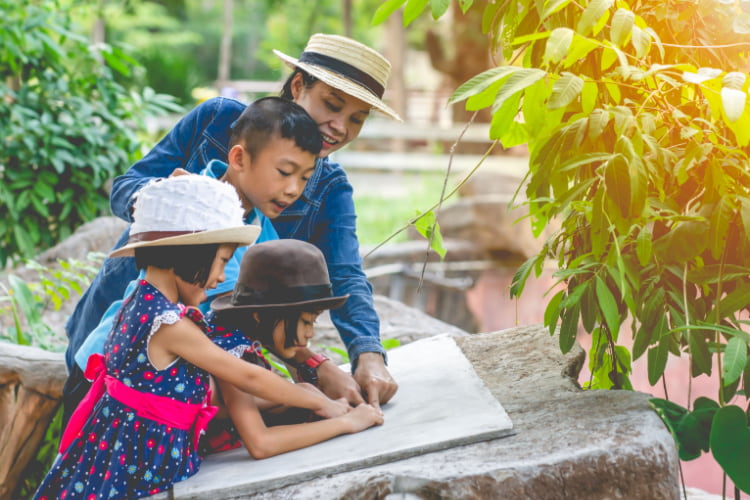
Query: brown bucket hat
[{"x": 281, "y": 274}]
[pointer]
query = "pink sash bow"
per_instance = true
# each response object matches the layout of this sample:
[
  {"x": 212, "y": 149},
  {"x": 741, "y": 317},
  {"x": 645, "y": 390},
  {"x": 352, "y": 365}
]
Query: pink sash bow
[{"x": 160, "y": 409}]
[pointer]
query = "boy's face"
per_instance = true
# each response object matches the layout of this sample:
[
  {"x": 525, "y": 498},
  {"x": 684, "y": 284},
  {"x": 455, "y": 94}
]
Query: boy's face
[
  {"x": 305, "y": 332},
  {"x": 274, "y": 178},
  {"x": 339, "y": 116}
]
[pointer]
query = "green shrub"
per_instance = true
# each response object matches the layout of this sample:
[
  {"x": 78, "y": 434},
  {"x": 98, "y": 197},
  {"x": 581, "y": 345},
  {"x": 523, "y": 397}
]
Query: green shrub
[{"x": 66, "y": 124}]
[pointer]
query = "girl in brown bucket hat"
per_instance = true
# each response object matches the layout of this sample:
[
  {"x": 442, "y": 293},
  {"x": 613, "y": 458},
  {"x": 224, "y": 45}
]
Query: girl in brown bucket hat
[
  {"x": 340, "y": 82},
  {"x": 283, "y": 286}
]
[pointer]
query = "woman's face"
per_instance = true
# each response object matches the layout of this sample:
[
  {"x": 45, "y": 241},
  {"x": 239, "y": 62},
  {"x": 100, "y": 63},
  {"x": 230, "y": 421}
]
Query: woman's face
[
  {"x": 305, "y": 332},
  {"x": 339, "y": 116}
]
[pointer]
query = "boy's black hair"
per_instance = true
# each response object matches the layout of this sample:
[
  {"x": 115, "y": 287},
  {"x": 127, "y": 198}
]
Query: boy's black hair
[
  {"x": 275, "y": 117},
  {"x": 307, "y": 80},
  {"x": 192, "y": 263},
  {"x": 262, "y": 328}
]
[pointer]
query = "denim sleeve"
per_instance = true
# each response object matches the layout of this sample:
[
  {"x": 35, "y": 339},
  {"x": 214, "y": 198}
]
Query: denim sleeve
[
  {"x": 172, "y": 152},
  {"x": 335, "y": 235}
]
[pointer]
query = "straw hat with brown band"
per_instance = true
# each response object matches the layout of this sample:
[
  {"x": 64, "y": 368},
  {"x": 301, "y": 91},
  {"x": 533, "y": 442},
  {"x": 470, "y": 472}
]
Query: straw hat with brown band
[{"x": 347, "y": 65}]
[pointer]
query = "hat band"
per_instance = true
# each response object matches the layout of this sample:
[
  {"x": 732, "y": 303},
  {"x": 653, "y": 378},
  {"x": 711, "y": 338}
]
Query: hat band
[
  {"x": 157, "y": 235},
  {"x": 344, "y": 69},
  {"x": 245, "y": 296}
]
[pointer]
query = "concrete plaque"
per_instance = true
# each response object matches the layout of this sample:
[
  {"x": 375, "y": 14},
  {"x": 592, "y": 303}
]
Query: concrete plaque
[{"x": 440, "y": 403}]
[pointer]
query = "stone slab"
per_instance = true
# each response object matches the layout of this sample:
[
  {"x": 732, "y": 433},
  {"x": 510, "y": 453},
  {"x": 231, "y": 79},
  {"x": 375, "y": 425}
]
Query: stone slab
[{"x": 441, "y": 403}]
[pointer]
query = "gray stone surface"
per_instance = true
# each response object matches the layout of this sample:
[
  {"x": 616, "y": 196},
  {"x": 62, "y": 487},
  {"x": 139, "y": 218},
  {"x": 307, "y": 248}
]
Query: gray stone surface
[
  {"x": 568, "y": 443},
  {"x": 419, "y": 420}
]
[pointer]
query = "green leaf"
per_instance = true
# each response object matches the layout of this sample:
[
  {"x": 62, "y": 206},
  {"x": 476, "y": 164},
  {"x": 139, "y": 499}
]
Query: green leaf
[
  {"x": 617, "y": 182},
  {"x": 730, "y": 444},
  {"x": 700, "y": 356},
  {"x": 735, "y": 359},
  {"x": 719, "y": 227},
  {"x": 591, "y": 15},
  {"x": 589, "y": 96},
  {"x": 608, "y": 306},
  {"x": 385, "y": 10},
  {"x": 517, "y": 82},
  {"x": 483, "y": 99},
  {"x": 558, "y": 44},
  {"x": 622, "y": 24},
  {"x": 481, "y": 82},
  {"x": 25, "y": 300},
  {"x": 569, "y": 328},
  {"x": 390, "y": 343},
  {"x": 657, "y": 360},
  {"x": 565, "y": 90},
  {"x": 641, "y": 41},
  {"x": 579, "y": 48},
  {"x": 598, "y": 121},
  {"x": 694, "y": 429},
  {"x": 735, "y": 300},
  {"x": 552, "y": 6},
  {"x": 413, "y": 9},
  {"x": 520, "y": 277},
  {"x": 439, "y": 7},
  {"x": 429, "y": 228},
  {"x": 552, "y": 311},
  {"x": 589, "y": 309},
  {"x": 643, "y": 246},
  {"x": 465, "y": 5}
]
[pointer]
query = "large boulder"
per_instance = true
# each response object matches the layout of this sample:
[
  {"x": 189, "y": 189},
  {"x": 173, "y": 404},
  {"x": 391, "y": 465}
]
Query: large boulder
[{"x": 569, "y": 443}]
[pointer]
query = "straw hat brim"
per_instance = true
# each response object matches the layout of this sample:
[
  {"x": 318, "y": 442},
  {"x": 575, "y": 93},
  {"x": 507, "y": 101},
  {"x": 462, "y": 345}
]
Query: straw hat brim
[
  {"x": 224, "y": 304},
  {"x": 340, "y": 82},
  {"x": 243, "y": 235}
]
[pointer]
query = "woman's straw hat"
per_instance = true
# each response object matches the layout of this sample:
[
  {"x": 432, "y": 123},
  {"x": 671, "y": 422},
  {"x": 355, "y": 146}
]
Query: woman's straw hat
[
  {"x": 281, "y": 274},
  {"x": 187, "y": 210},
  {"x": 347, "y": 65}
]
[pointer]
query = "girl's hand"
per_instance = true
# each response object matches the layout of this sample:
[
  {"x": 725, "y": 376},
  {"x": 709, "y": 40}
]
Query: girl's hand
[
  {"x": 333, "y": 408},
  {"x": 363, "y": 416}
]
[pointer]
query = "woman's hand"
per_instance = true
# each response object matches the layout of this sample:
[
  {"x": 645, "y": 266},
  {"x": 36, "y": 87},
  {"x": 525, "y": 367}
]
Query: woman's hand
[
  {"x": 332, "y": 408},
  {"x": 363, "y": 416}
]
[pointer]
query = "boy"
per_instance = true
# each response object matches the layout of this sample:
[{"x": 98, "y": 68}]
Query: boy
[{"x": 273, "y": 148}]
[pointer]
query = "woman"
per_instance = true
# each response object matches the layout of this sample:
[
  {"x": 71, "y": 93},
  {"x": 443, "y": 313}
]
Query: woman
[{"x": 338, "y": 81}]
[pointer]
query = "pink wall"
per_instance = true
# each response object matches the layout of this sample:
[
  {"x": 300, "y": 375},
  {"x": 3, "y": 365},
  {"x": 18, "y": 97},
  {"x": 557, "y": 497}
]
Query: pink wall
[{"x": 489, "y": 301}]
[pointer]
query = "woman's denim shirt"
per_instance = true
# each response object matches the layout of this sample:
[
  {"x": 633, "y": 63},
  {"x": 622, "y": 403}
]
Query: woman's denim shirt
[{"x": 324, "y": 216}]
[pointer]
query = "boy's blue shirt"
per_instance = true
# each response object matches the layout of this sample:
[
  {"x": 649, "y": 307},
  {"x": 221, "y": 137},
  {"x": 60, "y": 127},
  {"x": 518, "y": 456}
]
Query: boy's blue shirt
[
  {"x": 324, "y": 216},
  {"x": 94, "y": 343}
]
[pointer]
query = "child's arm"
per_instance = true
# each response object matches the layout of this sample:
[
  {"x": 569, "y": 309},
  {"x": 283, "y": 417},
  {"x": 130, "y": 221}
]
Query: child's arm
[
  {"x": 186, "y": 340},
  {"x": 263, "y": 442}
]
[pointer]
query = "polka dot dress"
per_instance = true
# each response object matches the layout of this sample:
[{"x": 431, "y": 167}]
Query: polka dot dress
[{"x": 119, "y": 454}]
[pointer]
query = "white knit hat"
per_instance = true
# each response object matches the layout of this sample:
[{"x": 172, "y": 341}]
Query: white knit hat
[
  {"x": 347, "y": 65},
  {"x": 187, "y": 210}
]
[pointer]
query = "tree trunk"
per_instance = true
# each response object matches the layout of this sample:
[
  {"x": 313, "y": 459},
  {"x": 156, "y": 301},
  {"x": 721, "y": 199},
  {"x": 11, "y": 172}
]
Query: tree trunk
[{"x": 31, "y": 382}]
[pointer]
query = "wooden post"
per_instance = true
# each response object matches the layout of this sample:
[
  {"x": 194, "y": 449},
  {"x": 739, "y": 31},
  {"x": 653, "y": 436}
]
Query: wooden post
[
  {"x": 346, "y": 7},
  {"x": 397, "y": 82},
  {"x": 225, "y": 50}
]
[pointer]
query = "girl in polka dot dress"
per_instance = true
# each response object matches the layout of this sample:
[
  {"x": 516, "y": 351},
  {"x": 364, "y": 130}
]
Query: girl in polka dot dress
[{"x": 136, "y": 432}]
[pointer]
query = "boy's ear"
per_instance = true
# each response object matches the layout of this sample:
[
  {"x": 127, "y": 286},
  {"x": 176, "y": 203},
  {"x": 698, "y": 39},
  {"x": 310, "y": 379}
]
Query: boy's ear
[{"x": 234, "y": 158}]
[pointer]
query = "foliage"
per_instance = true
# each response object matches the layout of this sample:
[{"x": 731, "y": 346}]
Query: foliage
[
  {"x": 25, "y": 301},
  {"x": 636, "y": 118},
  {"x": 67, "y": 125}
]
